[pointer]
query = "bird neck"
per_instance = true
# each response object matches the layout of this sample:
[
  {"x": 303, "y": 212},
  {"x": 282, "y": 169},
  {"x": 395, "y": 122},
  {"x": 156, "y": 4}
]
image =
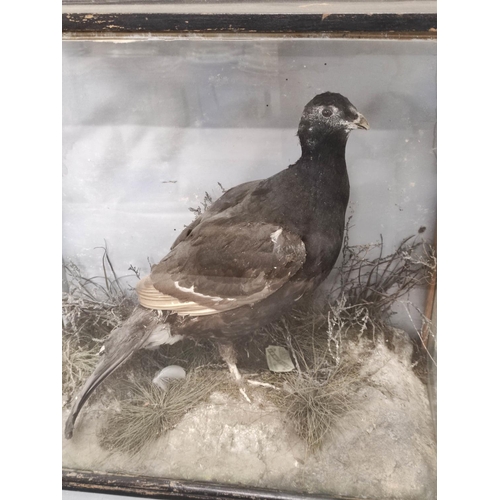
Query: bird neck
[{"x": 327, "y": 151}]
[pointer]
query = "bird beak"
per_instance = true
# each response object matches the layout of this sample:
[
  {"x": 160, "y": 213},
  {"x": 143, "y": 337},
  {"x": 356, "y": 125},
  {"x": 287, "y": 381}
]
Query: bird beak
[{"x": 361, "y": 122}]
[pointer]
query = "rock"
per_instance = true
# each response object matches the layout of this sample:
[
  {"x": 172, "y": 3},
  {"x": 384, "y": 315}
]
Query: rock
[
  {"x": 169, "y": 373},
  {"x": 278, "y": 359}
]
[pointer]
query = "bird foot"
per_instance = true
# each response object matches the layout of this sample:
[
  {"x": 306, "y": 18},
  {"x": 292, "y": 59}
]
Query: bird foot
[
  {"x": 245, "y": 395},
  {"x": 229, "y": 356},
  {"x": 233, "y": 369},
  {"x": 261, "y": 384},
  {"x": 255, "y": 383}
]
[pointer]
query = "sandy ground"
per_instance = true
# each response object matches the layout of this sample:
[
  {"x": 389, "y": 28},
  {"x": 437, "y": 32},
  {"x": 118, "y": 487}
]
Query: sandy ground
[{"x": 384, "y": 448}]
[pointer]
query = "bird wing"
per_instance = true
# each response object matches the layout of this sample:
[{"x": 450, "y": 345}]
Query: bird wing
[
  {"x": 231, "y": 199},
  {"x": 220, "y": 265}
]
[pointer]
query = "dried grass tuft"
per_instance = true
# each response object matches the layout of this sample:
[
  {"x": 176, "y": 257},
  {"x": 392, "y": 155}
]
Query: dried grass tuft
[
  {"x": 316, "y": 407},
  {"x": 317, "y": 396},
  {"x": 207, "y": 201},
  {"x": 146, "y": 411},
  {"x": 91, "y": 309},
  {"x": 369, "y": 283},
  {"x": 78, "y": 362}
]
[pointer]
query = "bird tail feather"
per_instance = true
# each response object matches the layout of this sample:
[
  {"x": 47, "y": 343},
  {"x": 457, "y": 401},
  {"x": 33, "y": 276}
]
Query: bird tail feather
[{"x": 123, "y": 342}]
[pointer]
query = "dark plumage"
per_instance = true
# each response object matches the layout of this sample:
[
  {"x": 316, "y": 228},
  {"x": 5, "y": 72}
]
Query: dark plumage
[{"x": 255, "y": 252}]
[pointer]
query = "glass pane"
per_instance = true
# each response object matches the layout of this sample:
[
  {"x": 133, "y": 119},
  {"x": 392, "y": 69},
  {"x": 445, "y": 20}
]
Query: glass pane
[{"x": 332, "y": 397}]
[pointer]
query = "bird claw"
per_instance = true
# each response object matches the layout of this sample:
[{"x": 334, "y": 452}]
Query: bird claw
[
  {"x": 261, "y": 384},
  {"x": 244, "y": 394},
  {"x": 227, "y": 353},
  {"x": 254, "y": 383}
]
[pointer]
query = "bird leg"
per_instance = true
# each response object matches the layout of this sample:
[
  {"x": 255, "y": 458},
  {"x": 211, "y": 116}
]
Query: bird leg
[{"x": 228, "y": 354}]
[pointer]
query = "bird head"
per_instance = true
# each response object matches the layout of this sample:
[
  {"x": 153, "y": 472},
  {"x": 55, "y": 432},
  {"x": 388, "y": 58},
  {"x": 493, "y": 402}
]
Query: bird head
[{"x": 326, "y": 116}]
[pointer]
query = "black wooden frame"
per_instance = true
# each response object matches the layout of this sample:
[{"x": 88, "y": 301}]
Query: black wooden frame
[
  {"x": 160, "y": 488},
  {"x": 90, "y": 23},
  {"x": 421, "y": 24}
]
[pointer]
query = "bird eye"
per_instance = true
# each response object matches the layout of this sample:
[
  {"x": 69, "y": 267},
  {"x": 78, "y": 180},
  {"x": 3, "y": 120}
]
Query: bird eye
[{"x": 327, "y": 112}]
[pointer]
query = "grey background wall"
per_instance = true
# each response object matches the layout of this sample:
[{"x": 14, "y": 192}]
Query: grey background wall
[{"x": 149, "y": 126}]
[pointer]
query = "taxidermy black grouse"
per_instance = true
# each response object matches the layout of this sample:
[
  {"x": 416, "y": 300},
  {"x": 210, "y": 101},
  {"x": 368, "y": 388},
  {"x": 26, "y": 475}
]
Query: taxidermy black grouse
[{"x": 251, "y": 256}]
